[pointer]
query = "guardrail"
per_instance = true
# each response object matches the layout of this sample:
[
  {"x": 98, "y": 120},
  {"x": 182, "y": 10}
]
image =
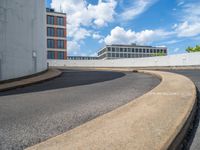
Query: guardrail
[{"x": 188, "y": 59}]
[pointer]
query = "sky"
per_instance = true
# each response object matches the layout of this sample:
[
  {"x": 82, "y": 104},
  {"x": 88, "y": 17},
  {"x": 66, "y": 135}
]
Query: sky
[{"x": 91, "y": 24}]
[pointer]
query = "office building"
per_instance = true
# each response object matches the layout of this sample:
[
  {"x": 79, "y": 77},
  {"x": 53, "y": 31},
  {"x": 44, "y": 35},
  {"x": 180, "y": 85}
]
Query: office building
[
  {"x": 22, "y": 38},
  {"x": 130, "y": 51},
  {"x": 81, "y": 58},
  {"x": 56, "y": 35}
]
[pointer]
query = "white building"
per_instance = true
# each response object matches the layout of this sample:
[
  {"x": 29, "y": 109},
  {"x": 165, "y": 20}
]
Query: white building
[
  {"x": 130, "y": 51},
  {"x": 22, "y": 38}
]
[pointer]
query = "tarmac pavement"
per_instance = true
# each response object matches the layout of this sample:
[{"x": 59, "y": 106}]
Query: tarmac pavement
[{"x": 35, "y": 113}]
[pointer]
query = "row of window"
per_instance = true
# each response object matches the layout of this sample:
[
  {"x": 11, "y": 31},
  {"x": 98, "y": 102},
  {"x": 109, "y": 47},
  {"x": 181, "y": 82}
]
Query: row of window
[
  {"x": 56, "y": 55},
  {"x": 55, "y": 43},
  {"x": 55, "y": 20},
  {"x": 125, "y": 55},
  {"x": 59, "y": 32},
  {"x": 137, "y": 50},
  {"x": 81, "y": 58}
]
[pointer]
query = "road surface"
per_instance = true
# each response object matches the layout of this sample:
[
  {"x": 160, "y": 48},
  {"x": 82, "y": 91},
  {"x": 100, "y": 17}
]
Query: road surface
[{"x": 32, "y": 114}]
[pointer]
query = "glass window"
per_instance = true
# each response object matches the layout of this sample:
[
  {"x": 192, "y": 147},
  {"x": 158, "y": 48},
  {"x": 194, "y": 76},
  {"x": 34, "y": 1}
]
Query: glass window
[
  {"x": 113, "y": 49},
  {"x": 121, "y": 55},
  {"x": 60, "y": 21},
  {"x": 50, "y": 55},
  {"x": 121, "y": 49},
  {"x": 125, "y": 55},
  {"x": 109, "y": 49},
  {"x": 50, "y": 43},
  {"x": 140, "y": 50},
  {"x": 125, "y": 49},
  {"x": 117, "y": 49},
  {"x": 132, "y": 49},
  {"x": 117, "y": 54},
  {"x": 50, "y": 19},
  {"x": 113, "y": 54},
  {"x": 129, "y": 50},
  {"x": 60, "y": 44},
  {"x": 61, "y": 55},
  {"x": 109, "y": 54},
  {"x": 136, "y": 50},
  {"x": 60, "y": 32},
  {"x": 147, "y": 50},
  {"x": 143, "y": 50},
  {"x": 50, "y": 31}
]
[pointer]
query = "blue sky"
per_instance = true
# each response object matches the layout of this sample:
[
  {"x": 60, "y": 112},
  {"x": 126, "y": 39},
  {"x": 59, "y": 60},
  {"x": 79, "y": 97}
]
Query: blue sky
[{"x": 93, "y": 23}]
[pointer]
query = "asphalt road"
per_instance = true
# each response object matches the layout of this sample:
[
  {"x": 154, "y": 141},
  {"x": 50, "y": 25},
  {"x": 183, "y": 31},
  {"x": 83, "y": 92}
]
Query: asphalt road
[
  {"x": 32, "y": 114},
  {"x": 194, "y": 75}
]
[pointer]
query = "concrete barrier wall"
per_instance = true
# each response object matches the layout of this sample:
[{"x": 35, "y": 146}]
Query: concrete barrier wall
[
  {"x": 22, "y": 38},
  {"x": 188, "y": 59}
]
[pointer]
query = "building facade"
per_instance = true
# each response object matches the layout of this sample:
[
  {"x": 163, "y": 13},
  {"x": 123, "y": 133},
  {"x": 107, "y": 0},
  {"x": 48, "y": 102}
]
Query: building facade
[
  {"x": 81, "y": 58},
  {"x": 22, "y": 38},
  {"x": 130, "y": 51},
  {"x": 56, "y": 35}
]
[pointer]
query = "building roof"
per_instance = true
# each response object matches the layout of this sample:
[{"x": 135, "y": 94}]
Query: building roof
[{"x": 51, "y": 10}]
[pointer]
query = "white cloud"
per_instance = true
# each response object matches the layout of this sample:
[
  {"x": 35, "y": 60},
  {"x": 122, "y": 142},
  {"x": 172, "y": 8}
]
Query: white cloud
[
  {"x": 81, "y": 16},
  {"x": 73, "y": 46},
  {"x": 190, "y": 21},
  {"x": 176, "y": 50},
  {"x": 97, "y": 36},
  {"x": 119, "y": 35},
  {"x": 136, "y": 8}
]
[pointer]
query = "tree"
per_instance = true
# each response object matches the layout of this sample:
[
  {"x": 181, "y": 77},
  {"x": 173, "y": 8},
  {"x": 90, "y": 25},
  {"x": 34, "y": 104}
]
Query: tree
[{"x": 193, "y": 49}]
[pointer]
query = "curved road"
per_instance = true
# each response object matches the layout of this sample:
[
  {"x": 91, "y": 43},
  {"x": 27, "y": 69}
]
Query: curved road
[
  {"x": 32, "y": 114},
  {"x": 194, "y": 75}
]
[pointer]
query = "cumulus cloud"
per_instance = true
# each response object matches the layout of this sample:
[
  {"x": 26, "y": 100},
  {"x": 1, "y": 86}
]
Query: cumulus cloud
[
  {"x": 190, "y": 21},
  {"x": 81, "y": 16},
  {"x": 119, "y": 35}
]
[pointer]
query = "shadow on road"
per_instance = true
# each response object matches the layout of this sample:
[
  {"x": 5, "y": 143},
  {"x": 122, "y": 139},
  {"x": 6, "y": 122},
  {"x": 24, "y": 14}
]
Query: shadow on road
[{"x": 69, "y": 78}]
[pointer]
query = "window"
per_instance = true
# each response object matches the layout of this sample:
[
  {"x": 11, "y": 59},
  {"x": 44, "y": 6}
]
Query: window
[
  {"x": 50, "y": 31},
  {"x": 121, "y": 55},
  {"x": 140, "y": 50},
  {"x": 136, "y": 50},
  {"x": 132, "y": 49},
  {"x": 109, "y": 49},
  {"x": 109, "y": 54},
  {"x": 60, "y": 44},
  {"x": 125, "y": 49},
  {"x": 125, "y": 55},
  {"x": 113, "y": 49},
  {"x": 50, "y": 55},
  {"x": 50, "y": 43},
  {"x": 143, "y": 50},
  {"x": 129, "y": 50},
  {"x": 113, "y": 54},
  {"x": 60, "y": 21},
  {"x": 50, "y": 19},
  {"x": 61, "y": 55},
  {"x": 121, "y": 49},
  {"x": 117, "y": 49},
  {"x": 117, "y": 54},
  {"x": 60, "y": 32},
  {"x": 147, "y": 50}
]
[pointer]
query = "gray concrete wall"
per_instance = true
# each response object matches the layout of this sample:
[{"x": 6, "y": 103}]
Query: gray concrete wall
[
  {"x": 22, "y": 35},
  {"x": 188, "y": 59}
]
